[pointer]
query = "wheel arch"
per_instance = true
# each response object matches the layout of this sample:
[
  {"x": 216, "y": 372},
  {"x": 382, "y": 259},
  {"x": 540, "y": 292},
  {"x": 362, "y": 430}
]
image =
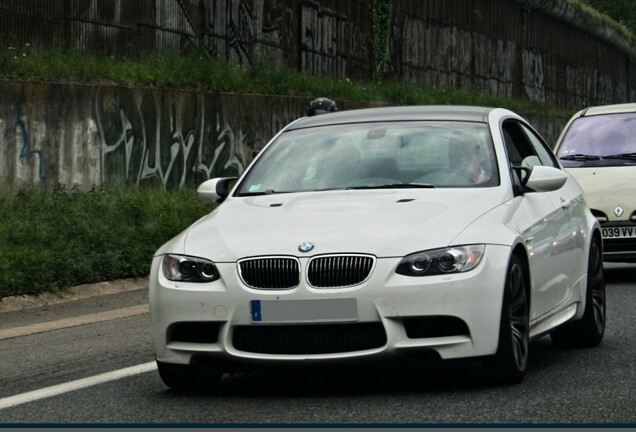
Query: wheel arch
[
  {"x": 595, "y": 235},
  {"x": 522, "y": 254}
]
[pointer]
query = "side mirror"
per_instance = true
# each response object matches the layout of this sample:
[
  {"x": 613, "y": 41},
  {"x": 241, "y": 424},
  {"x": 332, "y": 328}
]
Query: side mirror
[
  {"x": 544, "y": 179},
  {"x": 215, "y": 190}
]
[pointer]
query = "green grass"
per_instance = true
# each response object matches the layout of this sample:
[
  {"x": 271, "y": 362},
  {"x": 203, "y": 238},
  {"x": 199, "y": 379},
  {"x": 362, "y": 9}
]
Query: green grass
[
  {"x": 195, "y": 71},
  {"x": 614, "y": 22},
  {"x": 52, "y": 241}
]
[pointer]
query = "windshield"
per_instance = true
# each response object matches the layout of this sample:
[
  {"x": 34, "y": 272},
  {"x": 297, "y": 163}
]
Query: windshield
[
  {"x": 600, "y": 138},
  {"x": 375, "y": 155}
]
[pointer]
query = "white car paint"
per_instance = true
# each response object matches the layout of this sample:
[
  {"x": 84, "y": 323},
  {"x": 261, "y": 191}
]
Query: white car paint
[{"x": 551, "y": 225}]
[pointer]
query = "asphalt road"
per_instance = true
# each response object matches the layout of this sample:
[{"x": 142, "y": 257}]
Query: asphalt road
[{"x": 53, "y": 360}]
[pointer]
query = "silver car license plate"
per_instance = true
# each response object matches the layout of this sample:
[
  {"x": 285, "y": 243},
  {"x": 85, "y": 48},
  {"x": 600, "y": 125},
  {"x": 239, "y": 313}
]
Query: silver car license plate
[{"x": 319, "y": 310}]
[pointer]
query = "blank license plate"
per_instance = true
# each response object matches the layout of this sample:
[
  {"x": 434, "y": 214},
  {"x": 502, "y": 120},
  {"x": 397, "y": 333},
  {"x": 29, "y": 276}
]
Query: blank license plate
[
  {"x": 319, "y": 310},
  {"x": 619, "y": 232}
]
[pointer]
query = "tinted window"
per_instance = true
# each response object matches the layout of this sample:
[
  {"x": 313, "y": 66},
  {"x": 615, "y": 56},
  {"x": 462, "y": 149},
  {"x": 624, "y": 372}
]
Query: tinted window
[
  {"x": 524, "y": 147},
  {"x": 542, "y": 150}
]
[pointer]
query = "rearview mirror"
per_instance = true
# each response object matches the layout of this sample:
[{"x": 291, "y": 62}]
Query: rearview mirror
[
  {"x": 544, "y": 179},
  {"x": 215, "y": 190}
]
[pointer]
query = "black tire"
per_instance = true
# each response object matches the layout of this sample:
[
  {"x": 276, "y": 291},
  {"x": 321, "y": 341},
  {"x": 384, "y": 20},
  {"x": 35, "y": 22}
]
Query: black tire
[
  {"x": 589, "y": 330},
  {"x": 510, "y": 363},
  {"x": 198, "y": 377}
]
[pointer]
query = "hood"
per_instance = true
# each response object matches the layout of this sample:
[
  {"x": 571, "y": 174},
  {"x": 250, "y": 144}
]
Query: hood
[
  {"x": 607, "y": 188},
  {"x": 382, "y": 223}
]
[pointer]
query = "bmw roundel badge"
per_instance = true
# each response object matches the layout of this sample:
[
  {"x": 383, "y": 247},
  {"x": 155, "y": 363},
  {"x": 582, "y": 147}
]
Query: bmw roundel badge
[{"x": 305, "y": 246}]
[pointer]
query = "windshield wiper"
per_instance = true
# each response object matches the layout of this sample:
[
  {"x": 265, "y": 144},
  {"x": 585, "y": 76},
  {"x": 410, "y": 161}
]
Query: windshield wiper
[
  {"x": 396, "y": 186},
  {"x": 265, "y": 192},
  {"x": 580, "y": 157},
  {"x": 629, "y": 156},
  {"x": 382, "y": 186}
]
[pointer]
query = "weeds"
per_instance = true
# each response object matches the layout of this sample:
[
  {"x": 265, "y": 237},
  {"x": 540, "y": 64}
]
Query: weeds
[
  {"x": 67, "y": 237},
  {"x": 196, "y": 71}
]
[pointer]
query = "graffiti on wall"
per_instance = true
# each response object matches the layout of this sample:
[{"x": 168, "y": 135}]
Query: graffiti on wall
[
  {"x": 331, "y": 43},
  {"x": 533, "y": 76},
  {"x": 321, "y": 34},
  {"x": 243, "y": 32},
  {"x": 27, "y": 153},
  {"x": 439, "y": 60},
  {"x": 430, "y": 43},
  {"x": 132, "y": 137},
  {"x": 150, "y": 139}
]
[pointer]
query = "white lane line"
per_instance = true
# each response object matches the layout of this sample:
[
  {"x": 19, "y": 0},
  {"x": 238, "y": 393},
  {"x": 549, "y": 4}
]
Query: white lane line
[
  {"x": 73, "y": 322},
  {"x": 56, "y": 390}
]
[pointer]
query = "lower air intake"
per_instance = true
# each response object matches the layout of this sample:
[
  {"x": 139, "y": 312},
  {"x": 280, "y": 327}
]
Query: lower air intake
[{"x": 309, "y": 339}]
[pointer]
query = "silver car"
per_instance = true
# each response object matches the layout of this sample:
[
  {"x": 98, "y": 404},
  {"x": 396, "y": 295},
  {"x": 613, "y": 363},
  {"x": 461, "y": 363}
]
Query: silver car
[{"x": 598, "y": 147}]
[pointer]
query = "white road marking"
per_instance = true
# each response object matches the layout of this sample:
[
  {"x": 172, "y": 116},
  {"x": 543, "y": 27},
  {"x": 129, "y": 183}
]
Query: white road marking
[
  {"x": 73, "y": 322},
  {"x": 75, "y": 385}
]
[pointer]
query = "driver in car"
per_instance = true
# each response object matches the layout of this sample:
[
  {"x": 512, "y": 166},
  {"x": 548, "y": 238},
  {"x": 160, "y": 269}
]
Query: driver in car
[{"x": 467, "y": 158}]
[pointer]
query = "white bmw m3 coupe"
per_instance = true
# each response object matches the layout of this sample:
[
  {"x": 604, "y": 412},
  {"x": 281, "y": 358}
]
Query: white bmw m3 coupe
[{"x": 368, "y": 234}]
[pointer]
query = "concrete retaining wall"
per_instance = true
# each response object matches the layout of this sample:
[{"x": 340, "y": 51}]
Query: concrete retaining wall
[{"x": 85, "y": 136}]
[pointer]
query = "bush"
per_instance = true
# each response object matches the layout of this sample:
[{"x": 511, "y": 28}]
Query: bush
[{"x": 52, "y": 241}]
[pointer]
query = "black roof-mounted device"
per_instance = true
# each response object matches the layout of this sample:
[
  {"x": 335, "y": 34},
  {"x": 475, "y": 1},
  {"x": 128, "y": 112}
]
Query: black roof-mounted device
[{"x": 321, "y": 106}]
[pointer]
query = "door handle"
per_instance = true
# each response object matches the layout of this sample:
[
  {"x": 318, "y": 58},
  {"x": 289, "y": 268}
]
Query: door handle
[{"x": 565, "y": 203}]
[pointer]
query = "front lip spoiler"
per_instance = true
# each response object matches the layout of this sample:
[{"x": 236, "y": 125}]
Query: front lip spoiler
[{"x": 240, "y": 364}]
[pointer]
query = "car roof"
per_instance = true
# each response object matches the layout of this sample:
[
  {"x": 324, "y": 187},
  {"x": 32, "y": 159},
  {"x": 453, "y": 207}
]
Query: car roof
[
  {"x": 609, "y": 109},
  {"x": 397, "y": 113}
]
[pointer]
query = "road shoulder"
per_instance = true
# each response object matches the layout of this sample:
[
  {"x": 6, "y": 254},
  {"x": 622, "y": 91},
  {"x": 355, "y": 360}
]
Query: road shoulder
[{"x": 17, "y": 303}]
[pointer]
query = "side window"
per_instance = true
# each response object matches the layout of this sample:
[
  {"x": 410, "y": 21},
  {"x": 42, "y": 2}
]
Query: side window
[
  {"x": 525, "y": 147},
  {"x": 520, "y": 151},
  {"x": 544, "y": 154},
  {"x": 514, "y": 157}
]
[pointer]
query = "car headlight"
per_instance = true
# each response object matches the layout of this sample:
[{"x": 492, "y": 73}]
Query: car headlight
[
  {"x": 457, "y": 259},
  {"x": 184, "y": 268}
]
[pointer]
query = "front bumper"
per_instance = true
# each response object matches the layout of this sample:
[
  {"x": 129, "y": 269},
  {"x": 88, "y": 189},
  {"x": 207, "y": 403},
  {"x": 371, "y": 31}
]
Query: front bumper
[{"x": 455, "y": 316}]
